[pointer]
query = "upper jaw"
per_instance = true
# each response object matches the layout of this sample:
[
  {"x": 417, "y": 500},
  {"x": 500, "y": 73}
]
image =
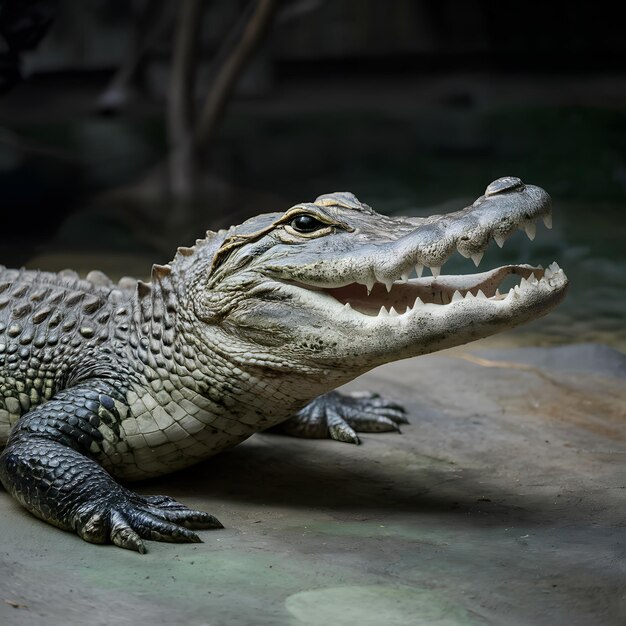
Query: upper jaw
[{"x": 506, "y": 206}]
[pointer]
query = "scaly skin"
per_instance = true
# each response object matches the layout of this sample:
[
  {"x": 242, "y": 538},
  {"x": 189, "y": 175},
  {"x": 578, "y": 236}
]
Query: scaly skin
[{"x": 250, "y": 329}]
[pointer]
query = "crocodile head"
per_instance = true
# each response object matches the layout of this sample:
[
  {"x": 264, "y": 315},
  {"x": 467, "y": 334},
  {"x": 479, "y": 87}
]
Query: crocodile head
[{"x": 334, "y": 286}]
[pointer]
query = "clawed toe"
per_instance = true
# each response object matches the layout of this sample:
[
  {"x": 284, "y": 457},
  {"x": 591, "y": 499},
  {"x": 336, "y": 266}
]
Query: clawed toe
[
  {"x": 372, "y": 414},
  {"x": 338, "y": 416},
  {"x": 197, "y": 520},
  {"x": 149, "y": 526},
  {"x": 126, "y": 522},
  {"x": 340, "y": 430},
  {"x": 123, "y": 535},
  {"x": 377, "y": 424}
]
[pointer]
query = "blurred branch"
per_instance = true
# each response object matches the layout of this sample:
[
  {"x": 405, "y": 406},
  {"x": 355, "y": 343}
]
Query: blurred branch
[
  {"x": 180, "y": 101},
  {"x": 149, "y": 27},
  {"x": 188, "y": 136},
  {"x": 297, "y": 10},
  {"x": 23, "y": 23},
  {"x": 231, "y": 40},
  {"x": 226, "y": 79},
  {"x": 175, "y": 181}
]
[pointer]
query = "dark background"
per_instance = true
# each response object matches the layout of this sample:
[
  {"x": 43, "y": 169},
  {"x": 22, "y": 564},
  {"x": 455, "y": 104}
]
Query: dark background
[{"x": 414, "y": 105}]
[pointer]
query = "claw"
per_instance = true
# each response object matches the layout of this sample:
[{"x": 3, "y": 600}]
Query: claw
[
  {"x": 396, "y": 416},
  {"x": 123, "y": 535},
  {"x": 126, "y": 523},
  {"x": 379, "y": 424},
  {"x": 151, "y": 527},
  {"x": 338, "y": 416},
  {"x": 197, "y": 520},
  {"x": 340, "y": 430}
]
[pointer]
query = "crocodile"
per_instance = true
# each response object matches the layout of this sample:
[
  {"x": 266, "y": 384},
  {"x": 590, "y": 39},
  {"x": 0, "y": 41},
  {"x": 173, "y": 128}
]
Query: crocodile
[{"x": 251, "y": 329}]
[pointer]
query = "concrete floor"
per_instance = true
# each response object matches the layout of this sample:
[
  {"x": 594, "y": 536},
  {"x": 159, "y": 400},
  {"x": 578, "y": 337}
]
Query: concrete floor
[{"x": 502, "y": 503}]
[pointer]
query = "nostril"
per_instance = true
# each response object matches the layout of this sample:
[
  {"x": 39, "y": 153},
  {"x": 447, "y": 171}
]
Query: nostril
[{"x": 506, "y": 183}]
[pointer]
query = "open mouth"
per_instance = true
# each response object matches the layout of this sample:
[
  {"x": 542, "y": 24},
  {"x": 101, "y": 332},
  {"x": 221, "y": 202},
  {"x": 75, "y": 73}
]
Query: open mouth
[
  {"x": 374, "y": 280},
  {"x": 401, "y": 297},
  {"x": 374, "y": 296}
]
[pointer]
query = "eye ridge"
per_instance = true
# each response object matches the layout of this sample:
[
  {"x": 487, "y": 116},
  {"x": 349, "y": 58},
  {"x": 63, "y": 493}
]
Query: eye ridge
[{"x": 306, "y": 223}]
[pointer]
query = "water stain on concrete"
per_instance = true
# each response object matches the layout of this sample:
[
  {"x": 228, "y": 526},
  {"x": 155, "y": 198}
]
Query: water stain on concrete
[{"x": 374, "y": 605}]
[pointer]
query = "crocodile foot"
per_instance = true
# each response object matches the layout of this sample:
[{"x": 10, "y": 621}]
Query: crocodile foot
[
  {"x": 340, "y": 416},
  {"x": 126, "y": 518}
]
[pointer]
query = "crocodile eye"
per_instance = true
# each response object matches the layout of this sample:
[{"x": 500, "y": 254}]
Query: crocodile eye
[{"x": 306, "y": 224}]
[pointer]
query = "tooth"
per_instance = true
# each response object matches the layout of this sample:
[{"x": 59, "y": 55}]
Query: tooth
[
  {"x": 481, "y": 295},
  {"x": 436, "y": 270},
  {"x": 547, "y": 220},
  {"x": 554, "y": 266},
  {"x": 548, "y": 274},
  {"x": 419, "y": 270},
  {"x": 347, "y": 305},
  {"x": 388, "y": 285},
  {"x": 405, "y": 277},
  {"x": 393, "y": 312},
  {"x": 419, "y": 301},
  {"x": 370, "y": 285},
  {"x": 408, "y": 308},
  {"x": 470, "y": 296},
  {"x": 464, "y": 254},
  {"x": 517, "y": 290},
  {"x": 532, "y": 279},
  {"x": 456, "y": 296},
  {"x": 531, "y": 230},
  {"x": 477, "y": 258},
  {"x": 497, "y": 294},
  {"x": 523, "y": 283},
  {"x": 383, "y": 312},
  {"x": 499, "y": 239}
]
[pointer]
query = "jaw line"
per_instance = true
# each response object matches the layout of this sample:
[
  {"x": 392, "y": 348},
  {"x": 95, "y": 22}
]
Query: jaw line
[{"x": 537, "y": 292}]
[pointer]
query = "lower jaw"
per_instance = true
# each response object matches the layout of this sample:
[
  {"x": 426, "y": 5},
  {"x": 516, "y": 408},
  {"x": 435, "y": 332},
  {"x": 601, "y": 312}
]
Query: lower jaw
[
  {"x": 435, "y": 327},
  {"x": 402, "y": 297}
]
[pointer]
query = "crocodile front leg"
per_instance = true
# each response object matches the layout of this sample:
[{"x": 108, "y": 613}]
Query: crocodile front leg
[
  {"x": 339, "y": 416},
  {"x": 47, "y": 467}
]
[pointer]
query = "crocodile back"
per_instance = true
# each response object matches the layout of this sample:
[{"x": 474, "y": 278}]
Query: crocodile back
[{"x": 48, "y": 324}]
